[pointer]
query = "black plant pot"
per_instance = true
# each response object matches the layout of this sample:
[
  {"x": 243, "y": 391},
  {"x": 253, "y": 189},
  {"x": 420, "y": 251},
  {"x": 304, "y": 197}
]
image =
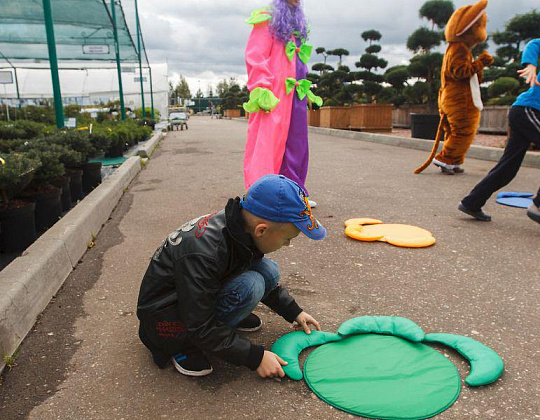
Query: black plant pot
[
  {"x": 424, "y": 126},
  {"x": 18, "y": 227},
  {"x": 91, "y": 177},
  {"x": 64, "y": 183},
  {"x": 48, "y": 207},
  {"x": 75, "y": 185}
]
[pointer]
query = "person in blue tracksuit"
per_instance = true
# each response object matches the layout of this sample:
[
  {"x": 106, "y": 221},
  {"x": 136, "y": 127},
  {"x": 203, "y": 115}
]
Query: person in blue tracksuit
[{"x": 524, "y": 122}]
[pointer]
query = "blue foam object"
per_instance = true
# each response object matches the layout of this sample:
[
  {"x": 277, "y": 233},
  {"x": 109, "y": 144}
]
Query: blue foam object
[{"x": 515, "y": 199}]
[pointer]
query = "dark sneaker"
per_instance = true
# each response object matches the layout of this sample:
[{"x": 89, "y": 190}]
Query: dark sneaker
[
  {"x": 444, "y": 169},
  {"x": 458, "y": 169},
  {"x": 250, "y": 324},
  {"x": 534, "y": 213},
  {"x": 478, "y": 215},
  {"x": 192, "y": 363}
]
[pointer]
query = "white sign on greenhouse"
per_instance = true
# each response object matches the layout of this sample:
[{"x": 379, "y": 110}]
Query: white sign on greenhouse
[
  {"x": 95, "y": 49},
  {"x": 6, "y": 77}
]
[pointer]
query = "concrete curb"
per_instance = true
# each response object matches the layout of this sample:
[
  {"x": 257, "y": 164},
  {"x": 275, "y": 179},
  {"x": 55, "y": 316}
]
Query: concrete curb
[
  {"x": 532, "y": 159},
  {"x": 30, "y": 281},
  {"x": 147, "y": 150}
]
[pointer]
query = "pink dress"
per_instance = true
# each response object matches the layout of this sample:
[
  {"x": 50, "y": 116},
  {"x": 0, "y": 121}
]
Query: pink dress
[{"x": 268, "y": 67}]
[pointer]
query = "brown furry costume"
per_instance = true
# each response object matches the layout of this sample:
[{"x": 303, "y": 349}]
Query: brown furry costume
[{"x": 458, "y": 105}]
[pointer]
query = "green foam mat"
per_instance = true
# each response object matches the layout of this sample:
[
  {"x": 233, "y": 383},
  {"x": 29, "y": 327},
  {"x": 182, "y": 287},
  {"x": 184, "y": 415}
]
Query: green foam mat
[
  {"x": 110, "y": 161},
  {"x": 383, "y": 377}
]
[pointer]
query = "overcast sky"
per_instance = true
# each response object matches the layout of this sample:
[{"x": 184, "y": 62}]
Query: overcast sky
[{"x": 204, "y": 40}]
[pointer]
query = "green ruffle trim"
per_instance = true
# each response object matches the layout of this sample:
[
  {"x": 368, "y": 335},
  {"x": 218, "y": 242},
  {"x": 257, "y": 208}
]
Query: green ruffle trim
[
  {"x": 260, "y": 99},
  {"x": 259, "y": 15},
  {"x": 317, "y": 100}
]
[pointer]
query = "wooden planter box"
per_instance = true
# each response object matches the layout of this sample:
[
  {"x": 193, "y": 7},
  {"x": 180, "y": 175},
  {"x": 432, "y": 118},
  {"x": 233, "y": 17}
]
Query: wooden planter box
[
  {"x": 494, "y": 120},
  {"x": 314, "y": 117},
  {"x": 401, "y": 117},
  {"x": 371, "y": 117},
  {"x": 335, "y": 117},
  {"x": 232, "y": 113}
]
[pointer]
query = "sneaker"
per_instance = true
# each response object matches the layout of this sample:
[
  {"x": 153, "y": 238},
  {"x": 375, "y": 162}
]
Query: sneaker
[
  {"x": 444, "y": 168},
  {"x": 192, "y": 363},
  {"x": 478, "y": 215},
  {"x": 534, "y": 213},
  {"x": 250, "y": 324},
  {"x": 312, "y": 204},
  {"x": 458, "y": 169}
]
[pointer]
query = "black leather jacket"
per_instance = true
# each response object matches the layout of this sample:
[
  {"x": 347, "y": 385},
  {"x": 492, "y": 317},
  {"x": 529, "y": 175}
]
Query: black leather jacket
[{"x": 177, "y": 299}]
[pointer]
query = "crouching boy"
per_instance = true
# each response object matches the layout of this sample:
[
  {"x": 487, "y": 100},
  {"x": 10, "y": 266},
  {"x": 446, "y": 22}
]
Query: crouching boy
[{"x": 208, "y": 275}]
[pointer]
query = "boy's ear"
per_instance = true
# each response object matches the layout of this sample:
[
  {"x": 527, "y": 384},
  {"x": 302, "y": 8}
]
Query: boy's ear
[{"x": 260, "y": 229}]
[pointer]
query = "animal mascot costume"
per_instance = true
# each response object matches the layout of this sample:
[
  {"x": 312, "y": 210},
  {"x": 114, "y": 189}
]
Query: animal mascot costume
[
  {"x": 276, "y": 60},
  {"x": 460, "y": 103}
]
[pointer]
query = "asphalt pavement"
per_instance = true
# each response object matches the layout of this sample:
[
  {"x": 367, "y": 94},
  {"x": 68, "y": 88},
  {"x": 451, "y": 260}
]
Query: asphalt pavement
[{"x": 83, "y": 360}]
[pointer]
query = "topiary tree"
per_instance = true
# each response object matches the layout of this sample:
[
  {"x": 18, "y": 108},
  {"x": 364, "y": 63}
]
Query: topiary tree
[
  {"x": 425, "y": 64},
  {"x": 423, "y": 40},
  {"x": 321, "y": 67},
  {"x": 322, "y": 51},
  {"x": 371, "y": 82},
  {"x": 503, "y": 91},
  {"x": 338, "y": 52},
  {"x": 437, "y": 12},
  {"x": 332, "y": 85},
  {"x": 507, "y": 60},
  {"x": 397, "y": 77}
]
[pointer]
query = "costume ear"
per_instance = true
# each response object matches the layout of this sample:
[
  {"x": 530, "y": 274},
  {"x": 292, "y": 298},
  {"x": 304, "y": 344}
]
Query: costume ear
[
  {"x": 291, "y": 345},
  {"x": 472, "y": 16},
  {"x": 391, "y": 325},
  {"x": 486, "y": 365},
  {"x": 463, "y": 19}
]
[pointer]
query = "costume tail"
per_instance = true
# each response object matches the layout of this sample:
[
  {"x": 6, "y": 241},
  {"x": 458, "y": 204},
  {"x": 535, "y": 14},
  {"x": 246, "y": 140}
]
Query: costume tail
[{"x": 438, "y": 139}]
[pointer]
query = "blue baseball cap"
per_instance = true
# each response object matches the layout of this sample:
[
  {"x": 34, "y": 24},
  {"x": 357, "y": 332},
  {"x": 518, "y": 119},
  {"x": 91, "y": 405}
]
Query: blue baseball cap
[{"x": 278, "y": 199}]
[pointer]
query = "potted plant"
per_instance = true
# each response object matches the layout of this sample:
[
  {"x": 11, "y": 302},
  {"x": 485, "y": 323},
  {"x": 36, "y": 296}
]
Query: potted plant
[
  {"x": 68, "y": 158},
  {"x": 80, "y": 142},
  {"x": 17, "y": 217},
  {"x": 41, "y": 190},
  {"x": 372, "y": 116}
]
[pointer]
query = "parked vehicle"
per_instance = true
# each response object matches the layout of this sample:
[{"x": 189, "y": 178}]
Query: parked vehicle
[{"x": 178, "y": 120}]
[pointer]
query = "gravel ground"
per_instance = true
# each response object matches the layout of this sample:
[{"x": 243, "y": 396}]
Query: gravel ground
[{"x": 490, "y": 140}]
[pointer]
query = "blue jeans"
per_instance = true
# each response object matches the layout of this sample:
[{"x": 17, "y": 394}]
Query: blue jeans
[{"x": 239, "y": 296}]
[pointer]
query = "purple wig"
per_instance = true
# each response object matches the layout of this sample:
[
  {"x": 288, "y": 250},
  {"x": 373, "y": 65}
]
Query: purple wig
[{"x": 286, "y": 19}]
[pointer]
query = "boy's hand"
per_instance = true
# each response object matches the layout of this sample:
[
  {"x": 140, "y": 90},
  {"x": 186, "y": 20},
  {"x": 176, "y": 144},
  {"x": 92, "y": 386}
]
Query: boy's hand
[
  {"x": 270, "y": 366},
  {"x": 529, "y": 74},
  {"x": 304, "y": 320}
]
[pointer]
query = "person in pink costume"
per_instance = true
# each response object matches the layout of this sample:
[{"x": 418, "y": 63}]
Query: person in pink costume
[{"x": 276, "y": 58}]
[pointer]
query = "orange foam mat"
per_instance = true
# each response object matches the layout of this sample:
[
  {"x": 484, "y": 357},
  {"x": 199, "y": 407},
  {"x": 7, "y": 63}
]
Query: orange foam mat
[{"x": 370, "y": 230}]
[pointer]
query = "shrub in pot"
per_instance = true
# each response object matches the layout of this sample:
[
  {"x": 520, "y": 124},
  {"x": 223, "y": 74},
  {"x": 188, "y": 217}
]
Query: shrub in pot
[
  {"x": 17, "y": 219},
  {"x": 80, "y": 142},
  {"x": 69, "y": 158},
  {"x": 46, "y": 196},
  {"x": 22, "y": 129},
  {"x": 125, "y": 131}
]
